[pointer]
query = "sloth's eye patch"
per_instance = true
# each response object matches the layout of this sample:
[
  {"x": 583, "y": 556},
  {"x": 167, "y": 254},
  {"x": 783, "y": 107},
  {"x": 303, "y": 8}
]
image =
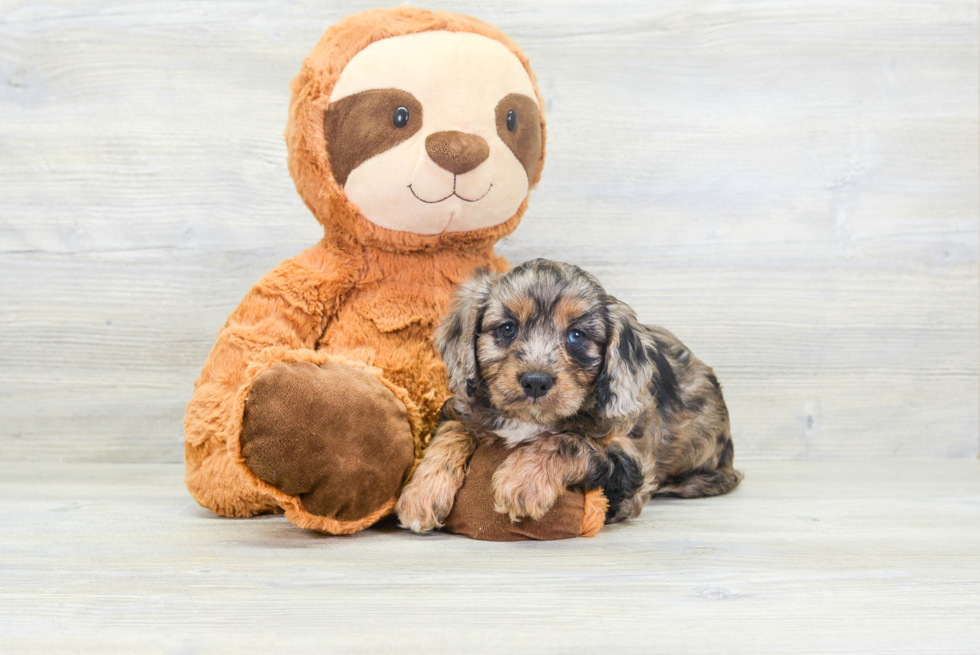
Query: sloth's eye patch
[
  {"x": 523, "y": 136},
  {"x": 366, "y": 124}
]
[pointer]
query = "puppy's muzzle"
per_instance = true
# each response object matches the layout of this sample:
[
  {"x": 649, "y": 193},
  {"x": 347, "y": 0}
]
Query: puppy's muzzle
[{"x": 536, "y": 383}]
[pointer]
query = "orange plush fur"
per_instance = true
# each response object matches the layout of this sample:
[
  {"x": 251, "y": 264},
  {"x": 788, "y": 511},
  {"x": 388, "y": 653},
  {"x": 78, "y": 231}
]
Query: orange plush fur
[{"x": 364, "y": 295}]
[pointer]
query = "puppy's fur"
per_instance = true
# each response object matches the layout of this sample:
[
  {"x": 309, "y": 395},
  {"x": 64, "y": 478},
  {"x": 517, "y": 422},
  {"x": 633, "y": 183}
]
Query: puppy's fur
[{"x": 628, "y": 408}]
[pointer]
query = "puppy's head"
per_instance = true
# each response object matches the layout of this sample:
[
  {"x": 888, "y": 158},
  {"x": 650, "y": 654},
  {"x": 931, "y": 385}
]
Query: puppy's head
[{"x": 544, "y": 342}]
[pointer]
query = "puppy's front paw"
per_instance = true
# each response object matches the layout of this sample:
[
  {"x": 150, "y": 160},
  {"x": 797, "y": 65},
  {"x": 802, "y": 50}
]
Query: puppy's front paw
[
  {"x": 521, "y": 496},
  {"x": 425, "y": 503}
]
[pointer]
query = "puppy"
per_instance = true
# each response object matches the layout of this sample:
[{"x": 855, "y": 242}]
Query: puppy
[{"x": 545, "y": 360}]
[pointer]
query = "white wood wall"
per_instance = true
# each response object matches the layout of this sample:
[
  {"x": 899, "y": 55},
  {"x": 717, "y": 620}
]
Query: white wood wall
[{"x": 791, "y": 187}]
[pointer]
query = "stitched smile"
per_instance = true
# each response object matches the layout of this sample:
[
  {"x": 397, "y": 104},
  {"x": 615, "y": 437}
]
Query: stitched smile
[{"x": 453, "y": 193}]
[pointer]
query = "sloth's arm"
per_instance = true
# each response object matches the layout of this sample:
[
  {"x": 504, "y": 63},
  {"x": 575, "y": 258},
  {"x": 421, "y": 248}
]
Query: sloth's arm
[{"x": 286, "y": 311}]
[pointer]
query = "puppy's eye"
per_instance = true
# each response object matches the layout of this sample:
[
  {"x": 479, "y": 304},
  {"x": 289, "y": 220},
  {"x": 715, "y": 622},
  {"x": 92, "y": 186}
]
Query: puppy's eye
[
  {"x": 508, "y": 330},
  {"x": 575, "y": 338},
  {"x": 511, "y": 120},
  {"x": 400, "y": 119}
]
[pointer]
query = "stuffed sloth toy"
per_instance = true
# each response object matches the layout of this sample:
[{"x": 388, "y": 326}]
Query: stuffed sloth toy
[{"x": 414, "y": 137}]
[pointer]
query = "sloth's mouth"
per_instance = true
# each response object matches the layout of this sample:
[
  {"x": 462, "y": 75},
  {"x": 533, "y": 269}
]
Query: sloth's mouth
[{"x": 451, "y": 194}]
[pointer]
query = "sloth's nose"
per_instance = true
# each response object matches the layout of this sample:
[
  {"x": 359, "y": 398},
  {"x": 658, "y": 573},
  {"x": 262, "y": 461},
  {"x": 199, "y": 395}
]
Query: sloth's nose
[
  {"x": 457, "y": 152},
  {"x": 536, "y": 383}
]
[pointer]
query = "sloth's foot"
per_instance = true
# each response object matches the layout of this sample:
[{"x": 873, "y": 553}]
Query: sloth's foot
[{"x": 332, "y": 436}]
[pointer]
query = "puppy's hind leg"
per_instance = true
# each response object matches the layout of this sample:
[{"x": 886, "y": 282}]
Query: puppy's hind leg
[
  {"x": 699, "y": 484},
  {"x": 704, "y": 481}
]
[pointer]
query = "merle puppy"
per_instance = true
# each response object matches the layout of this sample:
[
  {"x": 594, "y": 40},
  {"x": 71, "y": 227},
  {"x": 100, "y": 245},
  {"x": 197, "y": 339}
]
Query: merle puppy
[{"x": 544, "y": 359}]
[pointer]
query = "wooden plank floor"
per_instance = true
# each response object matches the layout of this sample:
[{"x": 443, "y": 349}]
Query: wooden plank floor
[{"x": 806, "y": 557}]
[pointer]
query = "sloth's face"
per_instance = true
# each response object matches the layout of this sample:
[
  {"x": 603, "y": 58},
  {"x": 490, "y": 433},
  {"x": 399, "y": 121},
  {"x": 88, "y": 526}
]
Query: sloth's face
[{"x": 434, "y": 132}]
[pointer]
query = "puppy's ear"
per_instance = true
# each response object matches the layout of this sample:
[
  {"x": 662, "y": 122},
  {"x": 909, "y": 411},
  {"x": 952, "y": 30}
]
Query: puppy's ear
[
  {"x": 628, "y": 368},
  {"x": 456, "y": 336}
]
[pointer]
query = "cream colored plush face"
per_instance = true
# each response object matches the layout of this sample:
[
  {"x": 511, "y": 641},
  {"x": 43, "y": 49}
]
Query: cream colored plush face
[{"x": 456, "y": 81}]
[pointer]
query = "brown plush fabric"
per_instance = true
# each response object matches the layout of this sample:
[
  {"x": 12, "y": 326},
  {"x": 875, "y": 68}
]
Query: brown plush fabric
[
  {"x": 362, "y": 125},
  {"x": 574, "y": 515},
  {"x": 299, "y": 417},
  {"x": 525, "y": 139},
  {"x": 364, "y": 296},
  {"x": 457, "y": 152}
]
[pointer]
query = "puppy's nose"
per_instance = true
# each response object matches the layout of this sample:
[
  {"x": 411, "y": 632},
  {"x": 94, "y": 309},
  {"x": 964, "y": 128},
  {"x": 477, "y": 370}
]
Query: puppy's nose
[
  {"x": 536, "y": 384},
  {"x": 457, "y": 152}
]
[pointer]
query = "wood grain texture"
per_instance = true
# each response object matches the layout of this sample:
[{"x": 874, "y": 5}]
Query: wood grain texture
[
  {"x": 805, "y": 557},
  {"x": 792, "y": 188}
]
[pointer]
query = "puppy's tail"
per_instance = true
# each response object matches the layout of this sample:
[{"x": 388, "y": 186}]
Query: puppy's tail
[{"x": 699, "y": 483}]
